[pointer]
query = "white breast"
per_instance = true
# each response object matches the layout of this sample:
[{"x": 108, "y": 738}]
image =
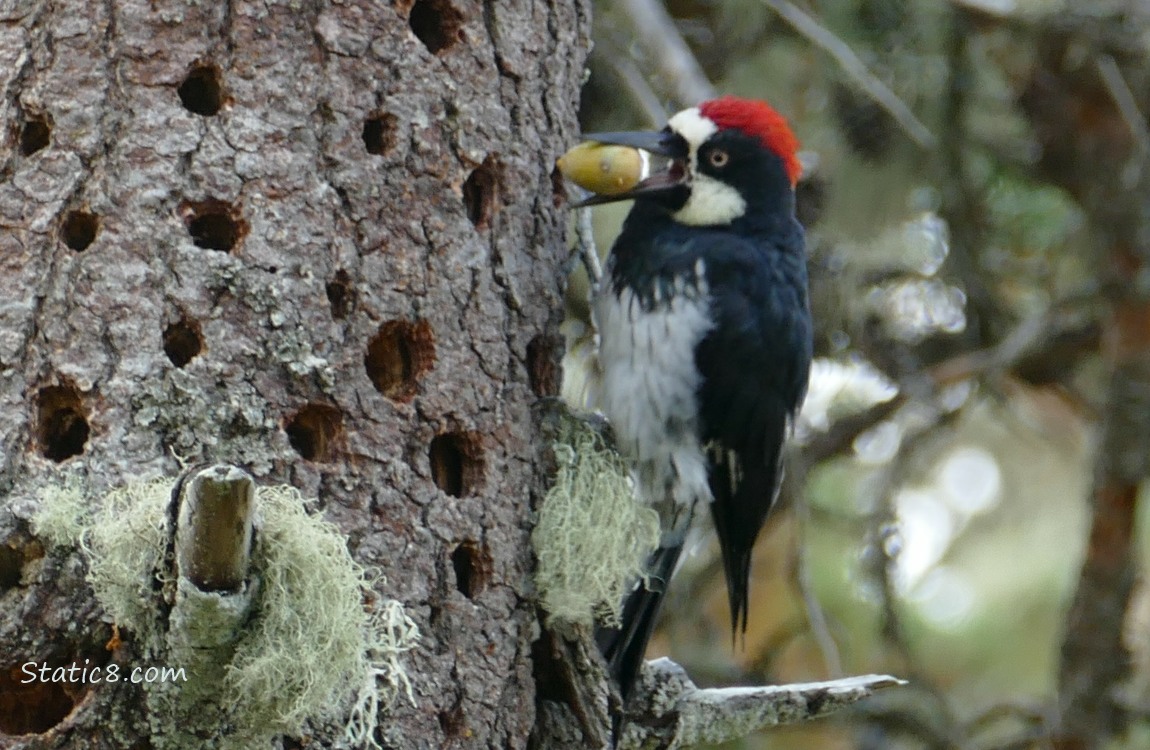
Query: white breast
[{"x": 649, "y": 386}]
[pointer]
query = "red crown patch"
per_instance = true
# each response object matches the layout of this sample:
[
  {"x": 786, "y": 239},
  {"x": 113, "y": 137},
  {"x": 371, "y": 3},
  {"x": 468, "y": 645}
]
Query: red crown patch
[{"x": 758, "y": 120}]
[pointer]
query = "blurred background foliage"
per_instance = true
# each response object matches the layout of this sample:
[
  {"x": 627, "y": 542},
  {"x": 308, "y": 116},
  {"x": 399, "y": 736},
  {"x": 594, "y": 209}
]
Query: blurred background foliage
[{"x": 972, "y": 268}]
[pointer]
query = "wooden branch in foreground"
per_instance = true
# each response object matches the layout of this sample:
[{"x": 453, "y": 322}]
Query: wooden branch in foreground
[{"x": 670, "y": 712}]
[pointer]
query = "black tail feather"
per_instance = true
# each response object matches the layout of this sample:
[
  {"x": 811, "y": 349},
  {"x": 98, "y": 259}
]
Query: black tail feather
[
  {"x": 624, "y": 647},
  {"x": 743, "y": 492}
]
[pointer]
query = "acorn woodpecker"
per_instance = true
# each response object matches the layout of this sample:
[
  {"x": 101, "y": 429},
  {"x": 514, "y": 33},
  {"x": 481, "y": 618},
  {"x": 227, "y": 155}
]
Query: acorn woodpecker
[{"x": 704, "y": 340}]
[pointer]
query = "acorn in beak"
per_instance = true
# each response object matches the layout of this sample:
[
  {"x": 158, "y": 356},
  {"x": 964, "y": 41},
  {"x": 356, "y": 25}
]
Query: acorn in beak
[{"x": 618, "y": 166}]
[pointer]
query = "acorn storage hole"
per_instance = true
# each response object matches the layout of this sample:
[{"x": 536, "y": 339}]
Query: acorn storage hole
[
  {"x": 16, "y": 552},
  {"x": 11, "y": 565},
  {"x": 314, "y": 430},
  {"x": 543, "y": 371},
  {"x": 33, "y": 706},
  {"x": 61, "y": 427},
  {"x": 452, "y": 721},
  {"x": 340, "y": 294},
  {"x": 399, "y": 353},
  {"x": 213, "y": 224},
  {"x": 183, "y": 341},
  {"x": 79, "y": 230},
  {"x": 201, "y": 92},
  {"x": 558, "y": 188},
  {"x": 379, "y": 133},
  {"x": 436, "y": 23},
  {"x": 456, "y": 463},
  {"x": 479, "y": 193},
  {"x": 472, "y": 566},
  {"x": 34, "y": 136}
]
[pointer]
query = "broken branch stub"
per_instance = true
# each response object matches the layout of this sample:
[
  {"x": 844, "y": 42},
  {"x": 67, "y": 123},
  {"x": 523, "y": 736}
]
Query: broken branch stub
[{"x": 214, "y": 532}]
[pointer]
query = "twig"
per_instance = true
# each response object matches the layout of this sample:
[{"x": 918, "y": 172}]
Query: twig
[
  {"x": 843, "y": 432},
  {"x": 673, "y": 62},
  {"x": 1128, "y": 108},
  {"x": 884, "y": 525},
  {"x": 816, "y": 616},
  {"x": 1021, "y": 341},
  {"x": 825, "y": 40},
  {"x": 585, "y": 246},
  {"x": 636, "y": 84}
]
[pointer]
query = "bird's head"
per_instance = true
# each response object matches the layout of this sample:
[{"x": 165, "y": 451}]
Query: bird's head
[{"x": 726, "y": 158}]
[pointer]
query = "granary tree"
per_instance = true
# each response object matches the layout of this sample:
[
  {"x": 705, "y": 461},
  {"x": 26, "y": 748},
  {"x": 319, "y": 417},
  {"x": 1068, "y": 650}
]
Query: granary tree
[{"x": 320, "y": 242}]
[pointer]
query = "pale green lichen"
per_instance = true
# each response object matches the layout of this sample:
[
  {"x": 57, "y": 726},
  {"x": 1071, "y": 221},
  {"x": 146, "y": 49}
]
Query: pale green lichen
[
  {"x": 63, "y": 512},
  {"x": 313, "y": 640},
  {"x": 593, "y": 539},
  {"x": 123, "y": 543},
  {"x": 312, "y": 650}
]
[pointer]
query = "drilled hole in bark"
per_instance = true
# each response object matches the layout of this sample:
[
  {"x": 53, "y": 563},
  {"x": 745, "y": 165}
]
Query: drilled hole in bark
[
  {"x": 11, "y": 563},
  {"x": 436, "y": 23},
  {"x": 472, "y": 567},
  {"x": 35, "y": 706},
  {"x": 379, "y": 133},
  {"x": 213, "y": 224},
  {"x": 314, "y": 430},
  {"x": 183, "y": 341},
  {"x": 452, "y": 721},
  {"x": 558, "y": 188},
  {"x": 398, "y": 354},
  {"x": 340, "y": 295},
  {"x": 201, "y": 91},
  {"x": 542, "y": 365},
  {"x": 79, "y": 230},
  {"x": 16, "y": 552},
  {"x": 456, "y": 463},
  {"x": 62, "y": 428},
  {"x": 479, "y": 193},
  {"x": 34, "y": 136}
]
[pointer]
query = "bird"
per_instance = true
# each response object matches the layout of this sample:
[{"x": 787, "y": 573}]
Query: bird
[{"x": 705, "y": 341}]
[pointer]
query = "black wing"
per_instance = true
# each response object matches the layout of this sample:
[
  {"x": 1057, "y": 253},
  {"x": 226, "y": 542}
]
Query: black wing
[{"x": 755, "y": 364}]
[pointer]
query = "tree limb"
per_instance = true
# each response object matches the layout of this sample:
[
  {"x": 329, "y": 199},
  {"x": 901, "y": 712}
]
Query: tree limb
[
  {"x": 672, "y": 712},
  {"x": 850, "y": 63},
  {"x": 672, "y": 61}
]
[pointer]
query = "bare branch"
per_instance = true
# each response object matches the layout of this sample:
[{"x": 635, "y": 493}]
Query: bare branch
[
  {"x": 672, "y": 60},
  {"x": 674, "y": 713},
  {"x": 816, "y": 616},
  {"x": 850, "y": 63},
  {"x": 637, "y": 87},
  {"x": 1127, "y": 107},
  {"x": 585, "y": 246}
]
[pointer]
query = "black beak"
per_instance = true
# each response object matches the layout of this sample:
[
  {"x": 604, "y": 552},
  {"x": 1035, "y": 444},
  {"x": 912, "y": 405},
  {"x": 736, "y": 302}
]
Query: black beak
[{"x": 664, "y": 143}]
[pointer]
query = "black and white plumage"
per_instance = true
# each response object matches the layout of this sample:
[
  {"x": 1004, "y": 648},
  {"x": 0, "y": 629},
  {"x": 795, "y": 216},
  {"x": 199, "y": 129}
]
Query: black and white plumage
[{"x": 705, "y": 341}]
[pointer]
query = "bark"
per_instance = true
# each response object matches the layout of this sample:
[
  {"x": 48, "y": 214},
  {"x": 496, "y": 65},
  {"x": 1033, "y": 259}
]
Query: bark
[{"x": 317, "y": 240}]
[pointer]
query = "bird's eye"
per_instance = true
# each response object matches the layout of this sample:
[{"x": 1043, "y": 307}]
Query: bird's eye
[{"x": 718, "y": 158}]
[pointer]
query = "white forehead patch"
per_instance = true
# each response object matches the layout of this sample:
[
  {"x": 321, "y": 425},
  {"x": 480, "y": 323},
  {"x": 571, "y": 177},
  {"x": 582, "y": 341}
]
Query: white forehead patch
[{"x": 691, "y": 124}]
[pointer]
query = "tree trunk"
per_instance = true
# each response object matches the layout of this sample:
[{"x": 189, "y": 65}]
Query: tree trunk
[
  {"x": 1086, "y": 117},
  {"x": 320, "y": 241}
]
